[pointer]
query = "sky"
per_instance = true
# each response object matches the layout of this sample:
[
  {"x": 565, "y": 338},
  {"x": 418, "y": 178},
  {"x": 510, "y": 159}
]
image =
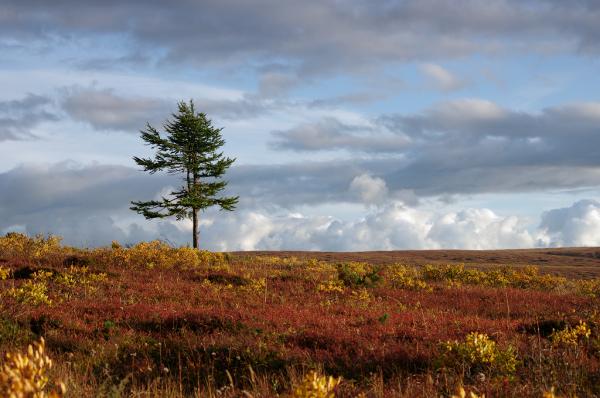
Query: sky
[{"x": 356, "y": 125}]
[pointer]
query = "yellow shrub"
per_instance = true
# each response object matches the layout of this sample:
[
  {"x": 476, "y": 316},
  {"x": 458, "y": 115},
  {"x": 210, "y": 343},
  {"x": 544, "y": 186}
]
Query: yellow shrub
[
  {"x": 4, "y": 273},
  {"x": 19, "y": 245},
  {"x": 334, "y": 286},
  {"x": 25, "y": 376},
  {"x": 403, "y": 277},
  {"x": 256, "y": 286},
  {"x": 479, "y": 353},
  {"x": 570, "y": 336},
  {"x": 590, "y": 288},
  {"x": 157, "y": 254},
  {"x": 358, "y": 274},
  {"x": 315, "y": 385},
  {"x": 207, "y": 258},
  {"x": 525, "y": 278},
  {"x": 361, "y": 297},
  {"x": 79, "y": 277},
  {"x": 34, "y": 291}
]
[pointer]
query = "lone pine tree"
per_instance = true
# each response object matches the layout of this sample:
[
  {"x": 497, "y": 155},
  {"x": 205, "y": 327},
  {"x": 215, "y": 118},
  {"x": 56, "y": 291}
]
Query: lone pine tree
[{"x": 189, "y": 147}]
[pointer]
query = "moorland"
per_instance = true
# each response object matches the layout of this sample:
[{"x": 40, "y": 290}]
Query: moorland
[{"x": 154, "y": 320}]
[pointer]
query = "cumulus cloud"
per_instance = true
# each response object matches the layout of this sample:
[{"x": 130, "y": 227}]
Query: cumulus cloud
[
  {"x": 441, "y": 78},
  {"x": 370, "y": 190},
  {"x": 88, "y": 205},
  {"x": 576, "y": 225},
  {"x": 394, "y": 226},
  {"x": 479, "y": 229},
  {"x": 20, "y": 116}
]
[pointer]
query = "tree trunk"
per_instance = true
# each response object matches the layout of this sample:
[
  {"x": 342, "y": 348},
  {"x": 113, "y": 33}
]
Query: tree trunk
[
  {"x": 194, "y": 211},
  {"x": 195, "y": 228}
]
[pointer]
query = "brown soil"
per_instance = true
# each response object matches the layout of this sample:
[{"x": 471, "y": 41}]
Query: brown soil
[{"x": 581, "y": 263}]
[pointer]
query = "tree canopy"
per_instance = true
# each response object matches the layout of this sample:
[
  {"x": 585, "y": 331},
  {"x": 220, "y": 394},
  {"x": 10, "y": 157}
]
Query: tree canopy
[{"x": 188, "y": 147}]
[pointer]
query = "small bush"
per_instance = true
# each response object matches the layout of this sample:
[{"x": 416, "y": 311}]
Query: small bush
[
  {"x": 478, "y": 353},
  {"x": 34, "y": 291},
  {"x": 358, "y": 274},
  {"x": 331, "y": 287},
  {"x": 525, "y": 278},
  {"x": 4, "y": 273},
  {"x": 571, "y": 336},
  {"x": 159, "y": 255},
  {"x": 589, "y": 288},
  {"x": 15, "y": 244},
  {"x": 403, "y": 277}
]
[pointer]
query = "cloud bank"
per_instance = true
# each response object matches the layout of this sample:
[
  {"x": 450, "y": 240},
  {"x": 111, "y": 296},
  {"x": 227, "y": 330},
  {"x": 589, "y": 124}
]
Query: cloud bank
[{"x": 56, "y": 199}]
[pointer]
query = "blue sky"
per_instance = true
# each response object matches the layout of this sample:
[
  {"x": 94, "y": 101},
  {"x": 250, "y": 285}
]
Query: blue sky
[{"x": 356, "y": 125}]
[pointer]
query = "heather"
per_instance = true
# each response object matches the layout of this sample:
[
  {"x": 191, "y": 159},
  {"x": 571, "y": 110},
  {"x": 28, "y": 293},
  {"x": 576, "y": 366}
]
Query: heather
[{"x": 154, "y": 320}]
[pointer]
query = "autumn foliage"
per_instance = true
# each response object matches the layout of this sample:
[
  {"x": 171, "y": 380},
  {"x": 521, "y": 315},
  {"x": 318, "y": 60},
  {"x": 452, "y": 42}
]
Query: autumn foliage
[{"x": 153, "y": 320}]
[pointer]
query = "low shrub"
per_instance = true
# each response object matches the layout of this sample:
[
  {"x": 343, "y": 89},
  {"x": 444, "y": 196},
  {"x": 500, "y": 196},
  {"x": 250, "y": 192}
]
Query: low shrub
[
  {"x": 403, "y": 277},
  {"x": 358, "y": 274},
  {"x": 571, "y": 336},
  {"x": 159, "y": 255},
  {"x": 33, "y": 291},
  {"x": 14, "y": 244},
  {"x": 478, "y": 353}
]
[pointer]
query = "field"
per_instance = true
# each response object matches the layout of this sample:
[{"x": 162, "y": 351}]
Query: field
[{"x": 151, "y": 320}]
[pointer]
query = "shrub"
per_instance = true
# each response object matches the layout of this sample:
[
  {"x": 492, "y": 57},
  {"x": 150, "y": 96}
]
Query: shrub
[
  {"x": 571, "y": 336},
  {"x": 590, "y": 288},
  {"x": 157, "y": 254},
  {"x": 478, "y": 353},
  {"x": 14, "y": 244},
  {"x": 403, "y": 277},
  {"x": 255, "y": 286},
  {"x": 4, "y": 273},
  {"x": 75, "y": 277},
  {"x": 34, "y": 291},
  {"x": 361, "y": 295},
  {"x": 331, "y": 287},
  {"x": 358, "y": 274},
  {"x": 525, "y": 278},
  {"x": 452, "y": 273}
]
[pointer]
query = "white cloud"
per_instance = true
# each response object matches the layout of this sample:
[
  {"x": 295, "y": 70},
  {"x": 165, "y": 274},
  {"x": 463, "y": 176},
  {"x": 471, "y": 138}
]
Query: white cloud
[
  {"x": 394, "y": 226},
  {"x": 442, "y": 79},
  {"x": 577, "y": 225},
  {"x": 370, "y": 190},
  {"x": 479, "y": 229}
]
